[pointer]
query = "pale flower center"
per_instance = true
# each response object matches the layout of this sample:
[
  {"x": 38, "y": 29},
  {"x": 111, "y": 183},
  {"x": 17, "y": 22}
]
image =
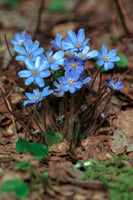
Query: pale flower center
[
  {"x": 78, "y": 45},
  {"x": 50, "y": 60},
  {"x": 74, "y": 65},
  {"x": 82, "y": 56},
  {"x": 114, "y": 87},
  {"x": 71, "y": 82},
  {"x": 106, "y": 58},
  {"x": 21, "y": 42},
  {"x": 35, "y": 72},
  {"x": 29, "y": 55},
  {"x": 37, "y": 97}
]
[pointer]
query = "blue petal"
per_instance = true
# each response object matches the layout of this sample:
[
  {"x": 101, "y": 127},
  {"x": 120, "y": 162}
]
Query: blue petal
[
  {"x": 86, "y": 80},
  {"x": 35, "y": 45},
  {"x": 28, "y": 102},
  {"x": 46, "y": 92},
  {"x": 38, "y": 52},
  {"x": 56, "y": 84},
  {"x": 67, "y": 44},
  {"x": 104, "y": 50},
  {"x": 75, "y": 76},
  {"x": 39, "y": 81},
  {"x": 13, "y": 42},
  {"x": 54, "y": 66},
  {"x": 114, "y": 59},
  {"x": 81, "y": 35},
  {"x": 23, "y": 34},
  {"x": 65, "y": 88},
  {"x": 44, "y": 65},
  {"x": 92, "y": 54},
  {"x": 78, "y": 84},
  {"x": 36, "y": 91},
  {"x": 49, "y": 53},
  {"x": 112, "y": 53},
  {"x": 99, "y": 56},
  {"x": 85, "y": 50},
  {"x": 20, "y": 58},
  {"x": 60, "y": 61},
  {"x": 28, "y": 45},
  {"x": 85, "y": 42},
  {"x": 37, "y": 62},
  {"x": 58, "y": 55},
  {"x": 111, "y": 81},
  {"x": 72, "y": 36},
  {"x": 29, "y": 80},
  {"x": 17, "y": 37},
  {"x": 106, "y": 83},
  {"x": 29, "y": 64},
  {"x": 45, "y": 74},
  {"x": 24, "y": 74},
  {"x": 72, "y": 89},
  {"x": 100, "y": 62},
  {"x": 108, "y": 65},
  {"x": 19, "y": 49},
  {"x": 30, "y": 96}
]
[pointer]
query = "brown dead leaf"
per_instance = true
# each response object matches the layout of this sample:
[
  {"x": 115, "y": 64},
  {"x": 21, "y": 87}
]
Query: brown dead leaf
[
  {"x": 91, "y": 147},
  {"x": 120, "y": 143}
]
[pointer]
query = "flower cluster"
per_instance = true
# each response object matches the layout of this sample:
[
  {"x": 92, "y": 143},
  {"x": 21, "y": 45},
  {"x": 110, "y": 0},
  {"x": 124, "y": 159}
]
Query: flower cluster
[{"x": 40, "y": 67}]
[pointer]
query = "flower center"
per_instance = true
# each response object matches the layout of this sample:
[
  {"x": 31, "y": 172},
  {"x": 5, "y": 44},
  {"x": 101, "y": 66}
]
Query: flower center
[
  {"x": 50, "y": 60},
  {"x": 82, "y": 56},
  {"x": 29, "y": 55},
  {"x": 71, "y": 82},
  {"x": 37, "y": 97},
  {"x": 74, "y": 65},
  {"x": 21, "y": 42},
  {"x": 78, "y": 45},
  {"x": 113, "y": 86},
  {"x": 106, "y": 58},
  {"x": 35, "y": 72}
]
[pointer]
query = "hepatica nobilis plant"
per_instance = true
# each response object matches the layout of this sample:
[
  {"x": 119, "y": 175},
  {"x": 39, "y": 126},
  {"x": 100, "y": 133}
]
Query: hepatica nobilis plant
[{"x": 62, "y": 85}]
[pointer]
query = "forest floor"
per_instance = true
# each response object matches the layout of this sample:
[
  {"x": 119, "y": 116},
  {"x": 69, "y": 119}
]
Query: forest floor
[{"x": 109, "y": 23}]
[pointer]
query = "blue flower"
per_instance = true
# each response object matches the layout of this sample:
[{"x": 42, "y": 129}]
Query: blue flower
[
  {"x": 116, "y": 86},
  {"x": 107, "y": 58},
  {"x": 74, "y": 65},
  {"x": 54, "y": 60},
  {"x": 58, "y": 85},
  {"x": 84, "y": 54},
  {"x": 75, "y": 42},
  {"x": 71, "y": 82},
  {"x": 57, "y": 43},
  {"x": 83, "y": 79},
  {"x": 19, "y": 39},
  {"x": 37, "y": 96},
  {"x": 28, "y": 50},
  {"x": 36, "y": 71}
]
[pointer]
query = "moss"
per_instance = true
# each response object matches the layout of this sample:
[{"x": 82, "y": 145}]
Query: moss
[{"x": 117, "y": 177}]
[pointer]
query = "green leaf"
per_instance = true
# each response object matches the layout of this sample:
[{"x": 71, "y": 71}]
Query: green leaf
[
  {"x": 53, "y": 137},
  {"x": 17, "y": 186},
  {"x": 35, "y": 149},
  {"x": 12, "y": 1},
  {"x": 39, "y": 150},
  {"x": 123, "y": 62},
  {"x": 56, "y": 6},
  {"x": 22, "y": 145}
]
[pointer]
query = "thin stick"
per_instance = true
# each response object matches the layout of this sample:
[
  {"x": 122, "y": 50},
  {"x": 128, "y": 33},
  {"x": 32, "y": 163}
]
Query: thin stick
[
  {"x": 71, "y": 120},
  {"x": 39, "y": 18}
]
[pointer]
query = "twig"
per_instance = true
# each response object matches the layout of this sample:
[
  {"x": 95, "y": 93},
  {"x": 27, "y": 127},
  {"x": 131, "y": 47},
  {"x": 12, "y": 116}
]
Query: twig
[
  {"x": 124, "y": 17},
  {"x": 9, "y": 108},
  {"x": 39, "y": 18}
]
